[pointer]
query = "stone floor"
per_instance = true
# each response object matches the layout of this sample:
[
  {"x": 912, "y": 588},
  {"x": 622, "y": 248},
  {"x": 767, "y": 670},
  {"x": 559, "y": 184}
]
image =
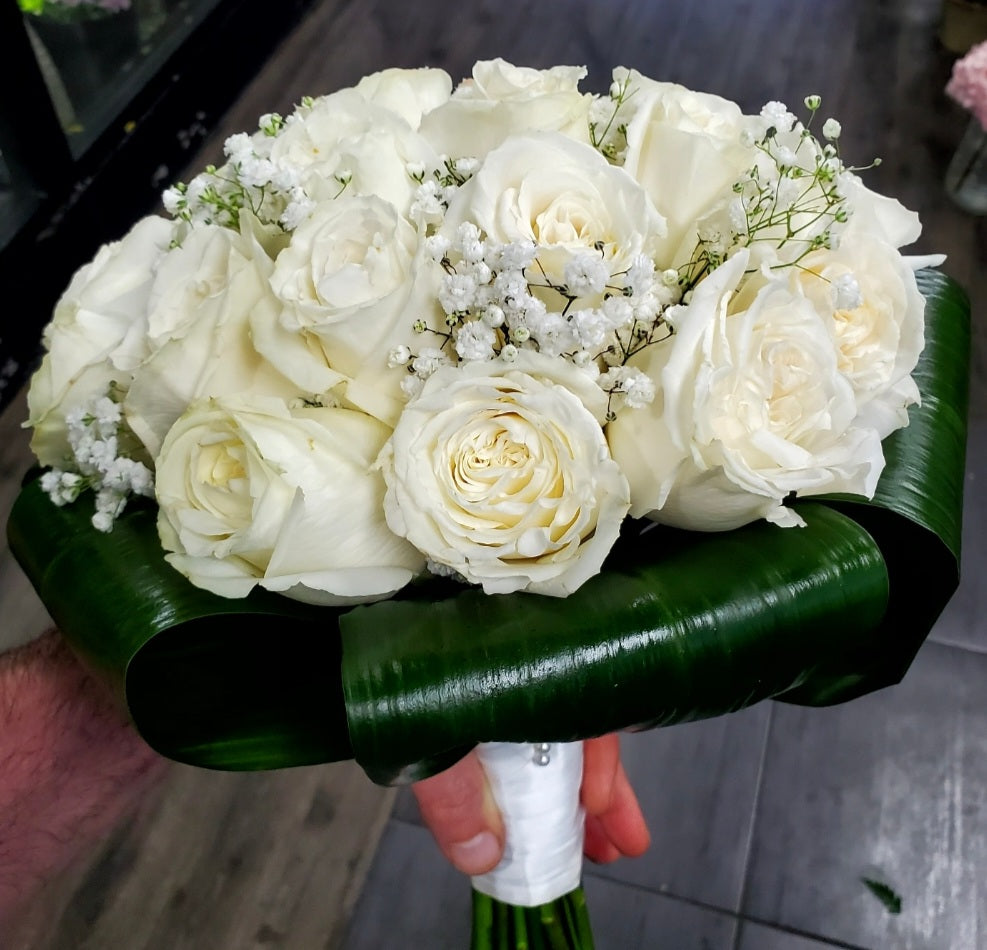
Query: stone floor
[{"x": 766, "y": 822}]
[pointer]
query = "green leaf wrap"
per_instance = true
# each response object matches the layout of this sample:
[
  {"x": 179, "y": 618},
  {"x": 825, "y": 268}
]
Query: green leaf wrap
[
  {"x": 226, "y": 684},
  {"x": 679, "y": 626},
  {"x": 686, "y": 627}
]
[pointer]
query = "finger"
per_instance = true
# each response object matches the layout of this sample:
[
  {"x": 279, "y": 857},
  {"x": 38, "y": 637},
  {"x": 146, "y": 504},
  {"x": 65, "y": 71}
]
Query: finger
[
  {"x": 597, "y": 846},
  {"x": 601, "y": 758},
  {"x": 623, "y": 823},
  {"x": 459, "y": 810}
]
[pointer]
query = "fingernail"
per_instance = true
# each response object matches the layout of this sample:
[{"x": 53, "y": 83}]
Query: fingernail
[{"x": 476, "y": 856}]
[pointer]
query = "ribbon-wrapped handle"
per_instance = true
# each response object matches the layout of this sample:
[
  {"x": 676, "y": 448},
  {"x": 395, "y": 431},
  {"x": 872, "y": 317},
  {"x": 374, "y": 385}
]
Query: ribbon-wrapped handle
[{"x": 536, "y": 786}]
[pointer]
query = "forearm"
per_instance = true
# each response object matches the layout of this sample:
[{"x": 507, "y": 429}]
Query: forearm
[{"x": 70, "y": 765}]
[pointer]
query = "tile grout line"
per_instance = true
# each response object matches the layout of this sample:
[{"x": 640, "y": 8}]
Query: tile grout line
[
  {"x": 975, "y": 648},
  {"x": 755, "y": 806},
  {"x": 822, "y": 940}
]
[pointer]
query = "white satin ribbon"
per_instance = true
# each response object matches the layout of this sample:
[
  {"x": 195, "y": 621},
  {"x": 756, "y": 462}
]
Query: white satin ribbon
[{"x": 543, "y": 855}]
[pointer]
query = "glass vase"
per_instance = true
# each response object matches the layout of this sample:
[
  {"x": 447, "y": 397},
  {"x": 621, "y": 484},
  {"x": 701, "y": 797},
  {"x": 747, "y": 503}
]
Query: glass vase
[{"x": 966, "y": 176}]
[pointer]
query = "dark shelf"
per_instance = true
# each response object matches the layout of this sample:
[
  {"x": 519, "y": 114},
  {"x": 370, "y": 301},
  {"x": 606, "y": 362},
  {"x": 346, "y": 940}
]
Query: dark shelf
[{"x": 67, "y": 196}]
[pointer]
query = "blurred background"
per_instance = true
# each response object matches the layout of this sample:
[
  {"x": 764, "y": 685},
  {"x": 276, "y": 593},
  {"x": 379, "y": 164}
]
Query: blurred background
[{"x": 766, "y": 823}]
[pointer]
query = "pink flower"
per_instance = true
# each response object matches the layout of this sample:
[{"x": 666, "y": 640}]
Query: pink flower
[{"x": 968, "y": 83}]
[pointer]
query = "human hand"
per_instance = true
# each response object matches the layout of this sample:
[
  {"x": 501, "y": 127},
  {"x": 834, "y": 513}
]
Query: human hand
[
  {"x": 71, "y": 766},
  {"x": 459, "y": 810}
]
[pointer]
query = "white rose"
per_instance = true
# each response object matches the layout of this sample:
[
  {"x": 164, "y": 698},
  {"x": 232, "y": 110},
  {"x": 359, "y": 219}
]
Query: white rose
[
  {"x": 502, "y": 100},
  {"x": 496, "y": 80},
  {"x": 350, "y": 287},
  {"x": 345, "y": 134},
  {"x": 684, "y": 149},
  {"x": 409, "y": 93},
  {"x": 880, "y": 335},
  {"x": 351, "y": 255},
  {"x": 196, "y": 271},
  {"x": 252, "y": 493},
  {"x": 878, "y": 215},
  {"x": 753, "y": 408},
  {"x": 501, "y": 472},
  {"x": 199, "y": 319},
  {"x": 562, "y": 196},
  {"x": 98, "y": 334}
]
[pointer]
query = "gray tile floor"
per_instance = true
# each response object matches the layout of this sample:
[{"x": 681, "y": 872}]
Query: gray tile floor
[
  {"x": 766, "y": 822},
  {"x": 765, "y": 825}
]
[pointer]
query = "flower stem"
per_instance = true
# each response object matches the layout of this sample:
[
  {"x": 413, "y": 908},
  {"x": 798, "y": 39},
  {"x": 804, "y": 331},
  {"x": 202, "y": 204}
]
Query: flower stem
[
  {"x": 520, "y": 929},
  {"x": 502, "y": 925},
  {"x": 481, "y": 935},
  {"x": 562, "y": 924},
  {"x": 580, "y": 914}
]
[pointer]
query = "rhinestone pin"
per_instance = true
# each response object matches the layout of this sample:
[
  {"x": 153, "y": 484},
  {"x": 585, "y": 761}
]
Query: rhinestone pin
[{"x": 541, "y": 753}]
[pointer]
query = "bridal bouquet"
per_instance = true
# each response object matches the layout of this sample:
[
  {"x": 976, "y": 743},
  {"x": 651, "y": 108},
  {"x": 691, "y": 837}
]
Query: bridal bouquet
[{"x": 424, "y": 346}]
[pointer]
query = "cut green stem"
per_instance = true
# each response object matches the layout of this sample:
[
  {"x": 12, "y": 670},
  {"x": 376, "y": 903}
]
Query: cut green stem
[{"x": 562, "y": 924}]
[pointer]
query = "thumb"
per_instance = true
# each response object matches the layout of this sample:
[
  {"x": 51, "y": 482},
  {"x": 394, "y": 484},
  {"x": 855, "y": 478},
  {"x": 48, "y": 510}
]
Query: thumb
[{"x": 459, "y": 810}]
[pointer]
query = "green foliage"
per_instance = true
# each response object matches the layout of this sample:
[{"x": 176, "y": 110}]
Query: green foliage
[{"x": 885, "y": 894}]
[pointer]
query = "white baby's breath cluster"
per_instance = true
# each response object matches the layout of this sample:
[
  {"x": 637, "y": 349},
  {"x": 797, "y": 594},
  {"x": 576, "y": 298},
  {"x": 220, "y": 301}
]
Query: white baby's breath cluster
[
  {"x": 470, "y": 330},
  {"x": 250, "y": 180},
  {"x": 94, "y": 431},
  {"x": 792, "y": 200},
  {"x": 436, "y": 188},
  {"x": 497, "y": 299}
]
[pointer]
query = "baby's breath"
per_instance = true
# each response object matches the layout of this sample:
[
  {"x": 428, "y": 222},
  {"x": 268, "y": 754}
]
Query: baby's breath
[
  {"x": 95, "y": 432},
  {"x": 607, "y": 133},
  {"x": 271, "y": 123},
  {"x": 251, "y": 180},
  {"x": 436, "y": 186},
  {"x": 792, "y": 198},
  {"x": 498, "y": 299}
]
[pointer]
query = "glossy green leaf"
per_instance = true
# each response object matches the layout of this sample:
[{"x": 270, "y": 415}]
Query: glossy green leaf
[
  {"x": 677, "y": 627},
  {"x": 680, "y": 626},
  {"x": 226, "y": 684}
]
